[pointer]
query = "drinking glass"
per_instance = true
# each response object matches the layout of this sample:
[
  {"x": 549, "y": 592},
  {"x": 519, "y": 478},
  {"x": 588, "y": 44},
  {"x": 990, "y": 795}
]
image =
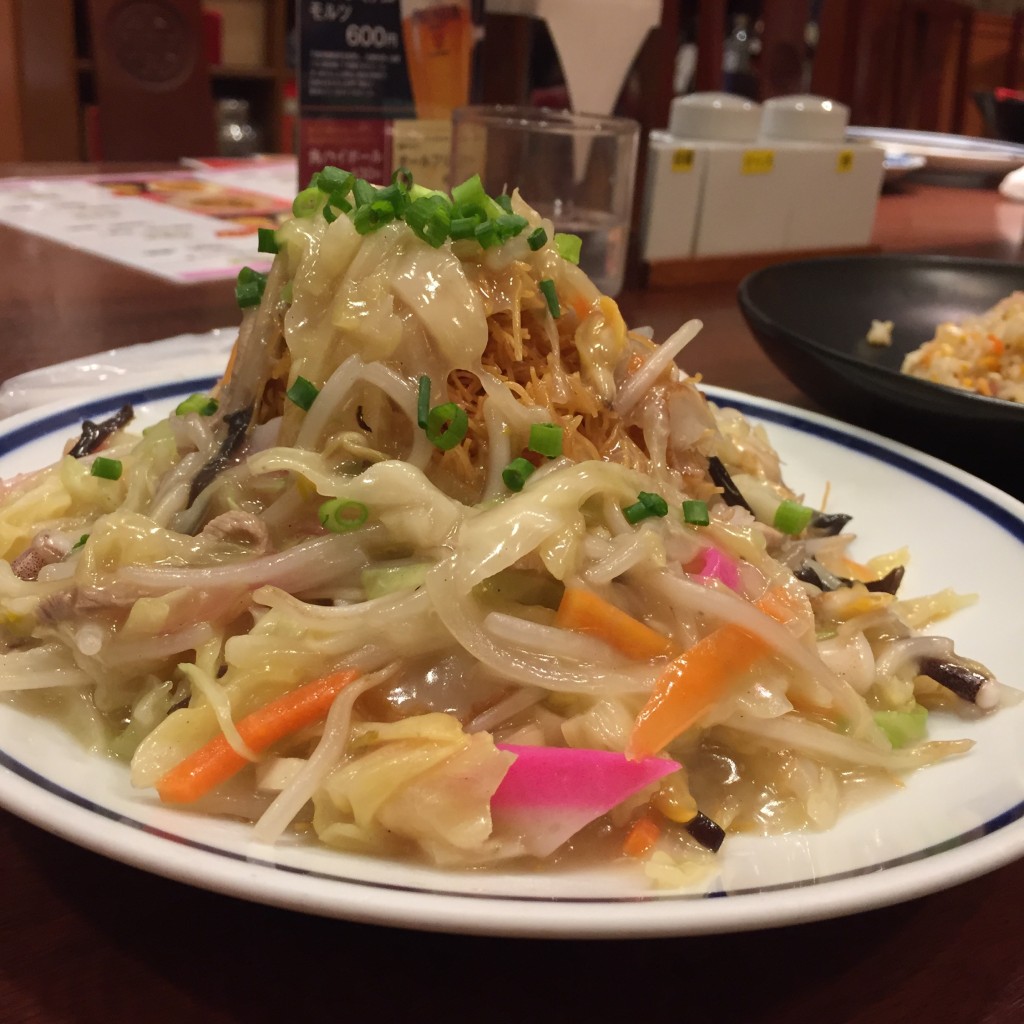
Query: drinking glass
[{"x": 576, "y": 169}]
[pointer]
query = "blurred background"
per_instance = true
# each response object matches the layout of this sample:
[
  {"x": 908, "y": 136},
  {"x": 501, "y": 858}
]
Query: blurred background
[{"x": 225, "y": 70}]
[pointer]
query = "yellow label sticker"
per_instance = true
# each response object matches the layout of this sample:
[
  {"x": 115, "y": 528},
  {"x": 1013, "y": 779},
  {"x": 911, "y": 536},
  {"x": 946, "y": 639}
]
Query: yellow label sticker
[
  {"x": 758, "y": 161},
  {"x": 844, "y": 162},
  {"x": 682, "y": 160}
]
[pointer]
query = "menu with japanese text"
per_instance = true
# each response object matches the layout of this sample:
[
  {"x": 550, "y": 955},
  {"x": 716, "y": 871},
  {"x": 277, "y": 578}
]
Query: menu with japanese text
[
  {"x": 378, "y": 82},
  {"x": 194, "y": 224}
]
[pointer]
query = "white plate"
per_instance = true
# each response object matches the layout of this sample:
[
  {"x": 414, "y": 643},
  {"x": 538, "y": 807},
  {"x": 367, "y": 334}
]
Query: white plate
[
  {"x": 953, "y": 154},
  {"x": 950, "y": 823},
  {"x": 898, "y": 165},
  {"x": 110, "y": 372}
]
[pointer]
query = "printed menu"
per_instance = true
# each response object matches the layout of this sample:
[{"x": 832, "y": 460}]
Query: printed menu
[
  {"x": 378, "y": 80},
  {"x": 194, "y": 224}
]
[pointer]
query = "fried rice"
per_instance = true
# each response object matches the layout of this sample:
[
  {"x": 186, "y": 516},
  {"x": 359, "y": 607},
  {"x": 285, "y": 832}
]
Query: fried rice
[{"x": 984, "y": 354}]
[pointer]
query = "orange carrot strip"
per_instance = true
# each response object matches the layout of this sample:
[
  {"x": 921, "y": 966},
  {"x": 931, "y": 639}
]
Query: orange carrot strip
[
  {"x": 779, "y": 604},
  {"x": 699, "y": 678},
  {"x": 690, "y": 685},
  {"x": 584, "y": 612},
  {"x": 217, "y": 761},
  {"x": 229, "y": 369},
  {"x": 580, "y": 305},
  {"x": 641, "y": 837}
]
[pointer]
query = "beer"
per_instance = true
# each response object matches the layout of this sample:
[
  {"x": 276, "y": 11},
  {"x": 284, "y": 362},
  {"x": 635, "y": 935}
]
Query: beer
[{"x": 438, "y": 41}]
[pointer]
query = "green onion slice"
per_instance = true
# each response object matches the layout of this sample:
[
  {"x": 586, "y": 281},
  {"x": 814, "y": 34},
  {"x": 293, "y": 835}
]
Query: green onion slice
[
  {"x": 423, "y": 402},
  {"x": 509, "y": 225},
  {"x": 447, "y": 425},
  {"x": 365, "y": 220},
  {"x": 537, "y": 239},
  {"x": 338, "y": 200},
  {"x": 267, "y": 240},
  {"x": 302, "y": 393},
  {"x": 307, "y": 202},
  {"x": 546, "y": 439},
  {"x": 547, "y": 286},
  {"x": 430, "y": 217},
  {"x": 364, "y": 192},
  {"x": 395, "y": 196},
  {"x": 247, "y": 295},
  {"x": 487, "y": 234},
  {"x": 646, "y": 505},
  {"x": 80, "y": 543},
  {"x": 334, "y": 181},
  {"x": 470, "y": 191},
  {"x": 106, "y": 469},
  {"x": 340, "y": 515},
  {"x": 791, "y": 517},
  {"x": 568, "y": 246},
  {"x": 462, "y": 227},
  {"x": 202, "y": 404},
  {"x": 516, "y": 473},
  {"x": 696, "y": 513},
  {"x": 249, "y": 287},
  {"x": 402, "y": 178}
]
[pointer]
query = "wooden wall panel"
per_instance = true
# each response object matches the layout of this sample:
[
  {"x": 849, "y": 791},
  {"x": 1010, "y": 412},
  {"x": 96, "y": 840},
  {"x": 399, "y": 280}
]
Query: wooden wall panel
[
  {"x": 11, "y": 143},
  {"x": 987, "y": 64},
  {"x": 38, "y": 87},
  {"x": 50, "y": 119}
]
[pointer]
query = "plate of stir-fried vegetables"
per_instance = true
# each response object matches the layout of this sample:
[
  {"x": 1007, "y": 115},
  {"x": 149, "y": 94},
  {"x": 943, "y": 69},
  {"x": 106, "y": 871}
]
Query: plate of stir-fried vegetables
[{"x": 455, "y": 602}]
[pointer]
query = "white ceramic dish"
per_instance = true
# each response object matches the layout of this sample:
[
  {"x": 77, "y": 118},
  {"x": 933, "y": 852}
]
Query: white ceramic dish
[
  {"x": 950, "y": 823},
  {"x": 898, "y": 165},
  {"x": 109, "y": 372},
  {"x": 952, "y": 154}
]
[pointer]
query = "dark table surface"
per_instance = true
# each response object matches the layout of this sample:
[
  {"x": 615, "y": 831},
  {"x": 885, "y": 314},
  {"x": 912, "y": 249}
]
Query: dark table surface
[{"x": 87, "y": 939}]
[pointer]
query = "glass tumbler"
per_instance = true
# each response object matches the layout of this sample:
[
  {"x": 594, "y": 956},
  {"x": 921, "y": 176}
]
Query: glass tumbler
[{"x": 576, "y": 169}]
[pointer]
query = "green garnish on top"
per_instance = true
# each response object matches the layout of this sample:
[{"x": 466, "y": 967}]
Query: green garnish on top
[
  {"x": 302, "y": 393},
  {"x": 106, "y": 469},
  {"x": 791, "y": 517},
  {"x": 695, "y": 512},
  {"x": 205, "y": 405},
  {"x": 249, "y": 287},
  {"x": 546, "y": 439},
  {"x": 645, "y": 506},
  {"x": 468, "y": 213}
]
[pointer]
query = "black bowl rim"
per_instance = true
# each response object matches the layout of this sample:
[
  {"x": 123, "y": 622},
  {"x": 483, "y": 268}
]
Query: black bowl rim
[{"x": 1001, "y": 406}]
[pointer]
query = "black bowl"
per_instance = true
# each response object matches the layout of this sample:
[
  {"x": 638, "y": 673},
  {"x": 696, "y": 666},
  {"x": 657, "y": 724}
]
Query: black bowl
[
  {"x": 1003, "y": 114},
  {"x": 811, "y": 317}
]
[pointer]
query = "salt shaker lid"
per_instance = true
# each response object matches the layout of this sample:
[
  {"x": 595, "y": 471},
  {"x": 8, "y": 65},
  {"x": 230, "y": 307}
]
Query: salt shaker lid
[
  {"x": 804, "y": 118},
  {"x": 717, "y": 116}
]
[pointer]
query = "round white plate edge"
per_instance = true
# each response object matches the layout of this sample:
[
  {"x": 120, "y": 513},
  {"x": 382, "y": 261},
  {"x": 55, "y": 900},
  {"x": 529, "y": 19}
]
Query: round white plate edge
[
  {"x": 984, "y": 156},
  {"x": 647, "y": 915}
]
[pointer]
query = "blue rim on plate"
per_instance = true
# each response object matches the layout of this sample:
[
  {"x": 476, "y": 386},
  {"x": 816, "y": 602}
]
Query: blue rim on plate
[{"x": 255, "y": 875}]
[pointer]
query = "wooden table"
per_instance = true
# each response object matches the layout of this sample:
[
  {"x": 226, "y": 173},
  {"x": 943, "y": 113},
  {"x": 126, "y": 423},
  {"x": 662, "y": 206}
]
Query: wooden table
[{"x": 87, "y": 940}]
